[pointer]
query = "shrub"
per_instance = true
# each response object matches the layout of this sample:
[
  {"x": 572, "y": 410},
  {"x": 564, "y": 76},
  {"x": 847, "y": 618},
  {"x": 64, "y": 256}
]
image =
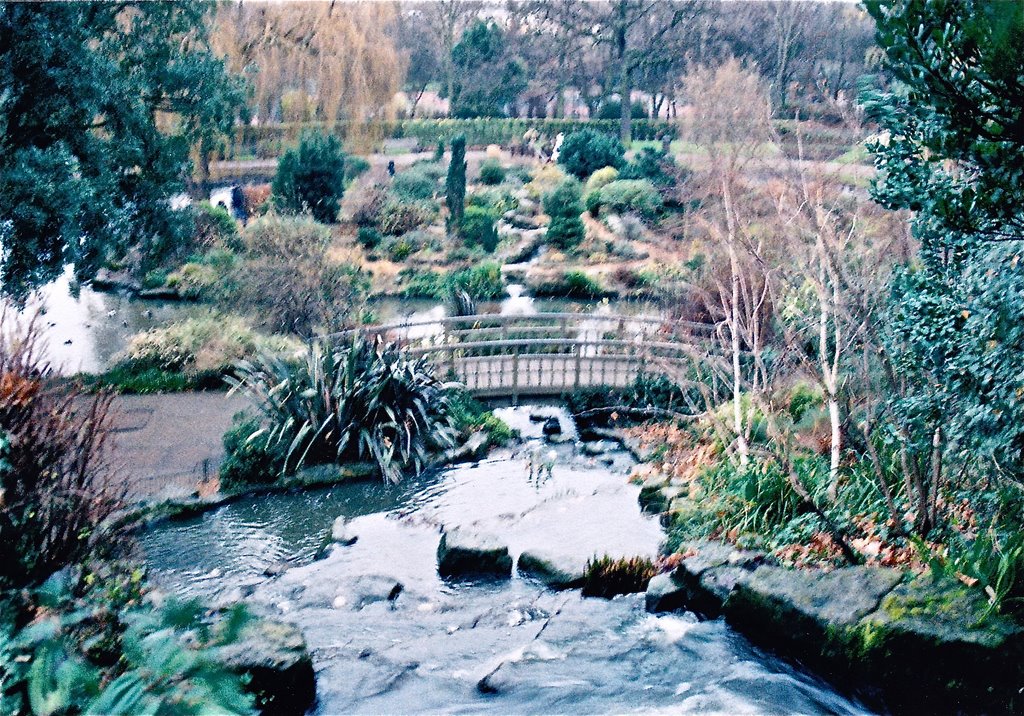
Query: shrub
[
  {"x": 587, "y": 150},
  {"x": 495, "y": 200},
  {"x": 99, "y": 645},
  {"x": 545, "y": 179},
  {"x": 603, "y": 176},
  {"x": 571, "y": 284},
  {"x": 478, "y": 229},
  {"x": 57, "y": 491},
  {"x": 202, "y": 347},
  {"x": 482, "y": 282},
  {"x": 414, "y": 185},
  {"x": 288, "y": 281},
  {"x": 470, "y": 415},
  {"x": 607, "y": 577},
  {"x": 491, "y": 172},
  {"x": 357, "y": 401},
  {"x": 655, "y": 165},
  {"x": 399, "y": 248},
  {"x": 565, "y": 230},
  {"x": 194, "y": 280},
  {"x": 612, "y": 110},
  {"x": 636, "y": 195},
  {"x": 369, "y": 237},
  {"x": 311, "y": 177},
  {"x": 250, "y": 460},
  {"x": 354, "y": 167},
  {"x": 367, "y": 205},
  {"x": 399, "y": 217},
  {"x": 214, "y": 226},
  {"x": 455, "y": 185}
]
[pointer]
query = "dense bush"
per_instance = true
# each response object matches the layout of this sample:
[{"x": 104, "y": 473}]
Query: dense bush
[
  {"x": 415, "y": 184},
  {"x": 367, "y": 203},
  {"x": 478, "y": 228},
  {"x": 482, "y": 282},
  {"x": 398, "y": 217},
  {"x": 56, "y": 490},
  {"x": 289, "y": 283},
  {"x": 354, "y": 167},
  {"x": 201, "y": 350},
  {"x": 399, "y": 248},
  {"x": 627, "y": 195},
  {"x": 612, "y": 110},
  {"x": 587, "y": 150},
  {"x": 491, "y": 172},
  {"x": 495, "y": 200},
  {"x": 100, "y": 645},
  {"x": 214, "y": 226},
  {"x": 470, "y": 415},
  {"x": 603, "y": 176},
  {"x": 369, "y": 237},
  {"x": 311, "y": 178},
  {"x": 250, "y": 460},
  {"x": 571, "y": 284},
  {"x": 654, "y": 165},
  {"x": 545, "y": 178},
  {"x": 339, "y": 402},
  {"x": 565, "y": 230}
]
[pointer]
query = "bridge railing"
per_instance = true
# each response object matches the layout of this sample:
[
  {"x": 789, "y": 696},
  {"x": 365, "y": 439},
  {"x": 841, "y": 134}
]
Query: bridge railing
[{"x": 550, "y": 353}]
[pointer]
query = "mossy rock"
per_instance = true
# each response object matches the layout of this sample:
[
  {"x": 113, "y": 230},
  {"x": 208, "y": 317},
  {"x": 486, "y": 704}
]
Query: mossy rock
[
  {"x": 274, "y": 655},
  {"x": 933, "y": 644},
  {"x": 665, "y": 593},
  {"x": 711, "y": 573},
  {"x": 808, "y": 615}
]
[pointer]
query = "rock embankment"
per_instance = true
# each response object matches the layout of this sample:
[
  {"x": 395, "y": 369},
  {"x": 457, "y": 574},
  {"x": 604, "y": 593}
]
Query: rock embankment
[{"x": 910, "y": 642}]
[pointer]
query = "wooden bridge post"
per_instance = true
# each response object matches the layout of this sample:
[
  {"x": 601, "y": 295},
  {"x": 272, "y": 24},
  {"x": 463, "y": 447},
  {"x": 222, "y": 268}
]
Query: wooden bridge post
[{"x": 515, "y": 376}]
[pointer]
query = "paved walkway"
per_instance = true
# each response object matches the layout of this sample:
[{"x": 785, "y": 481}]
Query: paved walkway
[{"x": 165, "y": 445}]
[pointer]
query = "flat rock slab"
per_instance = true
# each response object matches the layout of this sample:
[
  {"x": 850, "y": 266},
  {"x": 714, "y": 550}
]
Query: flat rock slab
[
  {"x": 464, "y": 553},
  {"x": 806, "y": 614},
  {"x": 556, "y": 571}
]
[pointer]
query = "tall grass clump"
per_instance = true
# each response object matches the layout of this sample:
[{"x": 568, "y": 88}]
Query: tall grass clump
[{"x": 355, "y": 400}]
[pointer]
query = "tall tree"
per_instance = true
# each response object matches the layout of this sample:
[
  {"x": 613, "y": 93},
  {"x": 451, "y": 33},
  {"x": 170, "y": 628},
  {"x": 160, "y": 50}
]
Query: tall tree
[
  {"x": 100, "y": 104},
  {"x": 952, "y": 152},
  {"x": 490, "y": 77},
  {"x": 455, "y": 185}
]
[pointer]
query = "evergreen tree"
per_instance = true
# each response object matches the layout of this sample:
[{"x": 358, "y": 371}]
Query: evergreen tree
[
  {"x": 455, "y": 185},
  {"x": 311, "y": 177},
  {"x": 101, "y": 103}
]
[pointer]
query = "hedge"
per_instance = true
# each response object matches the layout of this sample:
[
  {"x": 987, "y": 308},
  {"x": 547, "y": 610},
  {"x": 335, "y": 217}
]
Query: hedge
[{"x": 266, "y": 141}]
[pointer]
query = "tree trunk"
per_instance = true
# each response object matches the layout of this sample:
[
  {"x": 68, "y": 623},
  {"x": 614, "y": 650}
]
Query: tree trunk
[{"x": 734, "y": 332}]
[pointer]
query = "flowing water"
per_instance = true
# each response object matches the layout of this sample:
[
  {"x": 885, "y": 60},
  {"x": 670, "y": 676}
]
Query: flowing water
[{"x": 534, "y": 650}]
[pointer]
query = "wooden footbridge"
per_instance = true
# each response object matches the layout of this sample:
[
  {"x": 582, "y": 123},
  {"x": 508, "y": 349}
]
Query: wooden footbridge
[{"x": 547, "y": 354}]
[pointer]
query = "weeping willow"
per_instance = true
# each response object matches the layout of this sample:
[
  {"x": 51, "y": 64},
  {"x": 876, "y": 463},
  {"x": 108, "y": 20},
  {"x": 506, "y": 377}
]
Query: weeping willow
[{"x": 315, "y": 62}]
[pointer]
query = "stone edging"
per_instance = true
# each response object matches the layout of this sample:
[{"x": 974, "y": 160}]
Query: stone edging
[{"x": 904, "y": 642}]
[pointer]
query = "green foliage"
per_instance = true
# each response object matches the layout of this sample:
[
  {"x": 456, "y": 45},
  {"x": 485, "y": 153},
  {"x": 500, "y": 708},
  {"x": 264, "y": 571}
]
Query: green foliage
[
  {"x": 488, "y": 76},
  {"x": 612, "y": 110},
  {"x": 571, "y": 284},
  {"x": 369, "y": 237},
  {"x": 131, "y": 380},
  {"x": 343, "y": 402},
  {"x": 311, "y": 178},
  {"x": 72, "y": 193},
  {"x": 200, "y": 350},
  {"x": 600, "y": 178},
  {"x": 654, "y": 165},
  {"x": 399, "y": 248},
  {"x": 355, "y": 167},
  {"x": 645, "y": 392},
  {"x": 563, "y": 205},
  {"x": 249, "y": 458},
  {"x": 995, "y": 561},
  {"x": 102, "y": 648},
  {"x": 627, "y": 195},
  {"x": 455, "y": 184},
  {"x": 469, "y": 415},
  {"x": 481, "y": 282},
  {"x": 491, "y": 172},
  {"x": 478, "y": 229},
  {"x": 214, "y": 226},
  {"x": 585, "y": 151},
  {"x": 608, "y": 577},
  {"x": 494, "y": 200},
  {"x": 415, "y": 184},
  {"x": 397, "y": 217}
]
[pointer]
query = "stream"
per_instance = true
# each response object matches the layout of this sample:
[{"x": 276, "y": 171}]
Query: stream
[{"x": 510, "y": 646}]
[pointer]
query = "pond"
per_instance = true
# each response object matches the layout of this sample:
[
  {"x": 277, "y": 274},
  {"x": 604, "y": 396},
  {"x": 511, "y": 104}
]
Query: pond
[
  {"x": 84, "y": 328},
  {"x": 477, "y": 646}
]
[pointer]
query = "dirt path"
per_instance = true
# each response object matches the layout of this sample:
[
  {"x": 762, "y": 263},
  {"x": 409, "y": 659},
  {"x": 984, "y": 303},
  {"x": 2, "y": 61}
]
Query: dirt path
[{"x": 165, "y": 445}]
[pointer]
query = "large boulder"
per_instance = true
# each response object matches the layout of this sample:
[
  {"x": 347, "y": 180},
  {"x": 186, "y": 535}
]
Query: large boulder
[
  {"x": 665, "y": 593},
  {"x": 656, "y": 494},
  {"x": 464, "y": 553},
  {"x": 367, "y": 589},
  {"x": 934, "y": 645},
  {"x": 342, "y": 532},
  {"x": 556, "y": 571},
  {"x": 274, "y": 656},
  {"x": 710, "y": 572},
  {"x": 807, "y": 615}
]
